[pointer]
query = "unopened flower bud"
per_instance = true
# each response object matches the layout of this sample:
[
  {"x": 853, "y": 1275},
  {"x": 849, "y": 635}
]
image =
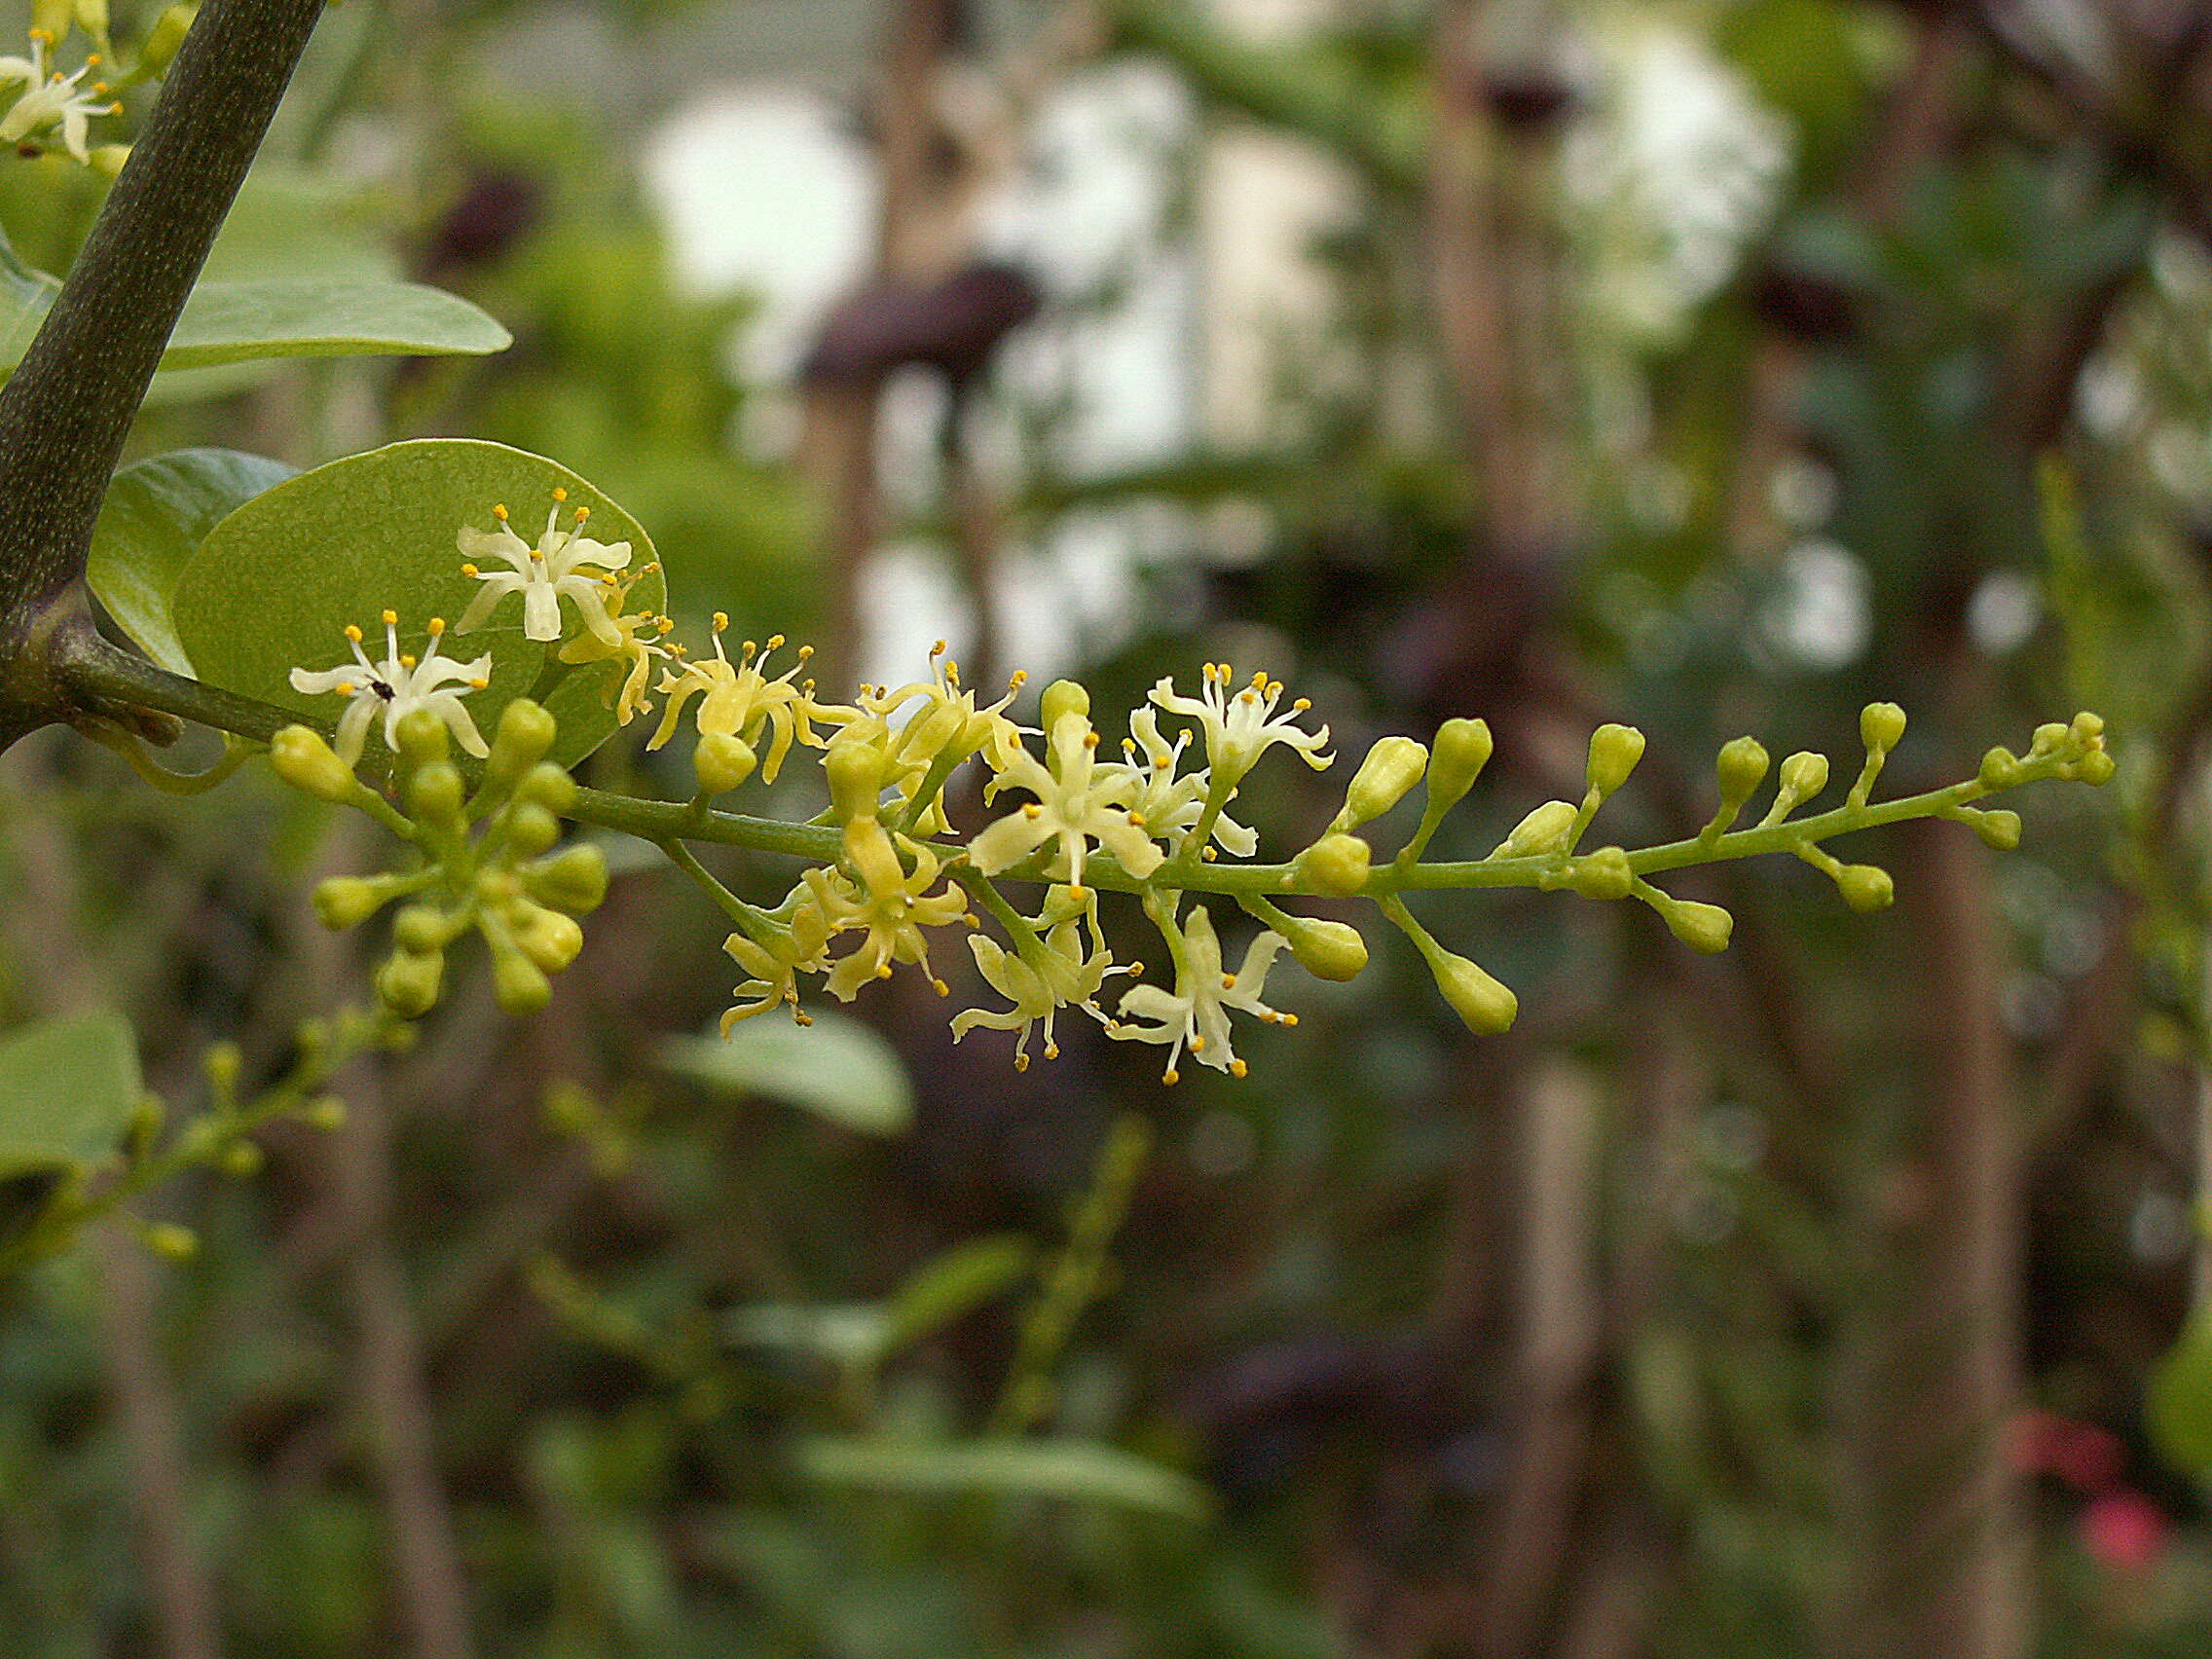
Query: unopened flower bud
[
  {"x": 854, "y": 769},
  {"x": 158, "y": 50},
  {"x": 224, "y": 1064},
  {"x": 524, "y": 734},
  {"x": 421, "y": 930},
  {"x": 1999, "y": 828},
  {"x": 1327, "y": 950},
  {"x": 2048, "y": 737},
  {"x": 548, "y": 786},
  {"x": 1542, "y": 833},
  {"x": 409, "y": 981},
  {"x": 532, "y": 830},
  {"x": 1455, "y": 759},
  {"x": 1881, "y": 727},
  {"x": 328, "y": 1114},
  {"x": 1336, "y": 865},
  {"x": 242, "y": 1160},
  {"x": 1999, "y": 769},
  {"x": 421, "y": 737},
  {"x": 574, "y": 880},
  {"x": 1740, "y": 768},
  {"x": 1601, "y": 875},
  {"x": 1062, "y": 697},
  {"x": 1384, "y": 778},
  {"x": 1866, "y": 888},
  {"x": 1704, "y": 927},
  {"x": 348, "y": 901},
  {"x": 304, "y": 759},
  {"x": 1804, "y": 775},
  {"x": 1483, "y": 1004},
  {"x": 549, "y": 939},
  {"x": 435, "y": 791},
  {"x": 2088, "y": 729},
  {"x": 1614, "y": 751},
  {"x": 723, "y": 762},
  {"x": 518, "y": 983},
  {"x": 2095, "y": 767},
  {"x": 171, "y": 1242}
]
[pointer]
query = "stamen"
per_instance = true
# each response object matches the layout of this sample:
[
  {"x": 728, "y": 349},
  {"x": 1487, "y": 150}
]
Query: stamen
[
  {"x": 470, "y": 571},
  {"x": 499, "y": 511},
  {"x": 354, "y": 633},
  {"x": 407, "y": 659},
  {"x": 560, "y": 494},
  {"x": 721, "y": 620},
  {"x": 391, "y": 619},
  {"x": 437, "y": 626},
  {"x": 1238, "y": 1068}
]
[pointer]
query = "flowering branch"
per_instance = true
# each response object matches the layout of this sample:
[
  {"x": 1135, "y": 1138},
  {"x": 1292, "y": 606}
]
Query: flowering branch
[{"x": 65, "y": 412}]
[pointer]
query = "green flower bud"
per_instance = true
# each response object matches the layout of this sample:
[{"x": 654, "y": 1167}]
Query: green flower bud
[
  {"x": 723, "y": 762},
  {"x": 242, "y": 1160},
  {"x": 854, "y": 770},
  {"x": 158, "y": 50},
  {"x": 348, "y": 901},
  {"x": 1062, "y": 697},
  {"x": 225, "y": 1064},
  {"x": 548, "y": 786},
  {"x": 2095, "y": 767},
  {"x": 1484, "y": 1006},
  {"x": 435, "y": 793},
  {"x": 2049, "y": 737},
  {"x": 421, "y": 930},
  {"x": 1999, "y": 769},
  {"x": 1456, "y": 759},
  {"x": 524, "y": 736},
  {"x": 1740, "y": 767},
  {"x": 409, "y": 981},
  {"x": 1543, "y": 831},
  {"x": 328, "y": 1114},
  {"x": 1614, "y": 751},
  {"x": 549, "y": 939},
  {"x": 171, "y": 1242},
  {"x": 304, "y": 760},
  {"x": 574, "y": 880},
  {"x": 1327, "y": 950},
  {"x": 421, "y": 737},
  {"x": 1804, "y": 775},
  {"x": 1384, "y": 778},
  {"x": 531, "y": 830},
  {"x": 1601, "y": 875},
  {"x": 1999, "y": 828},
  {"x": 1866, "y": 888},
  {"x": 1881, "y": 727},
  {"x": 2088, "y": 729},
  {"x": 518, "y": 983},
  {"x": 1704, "y": 927},
  {"x": 1336, "y": 865}
]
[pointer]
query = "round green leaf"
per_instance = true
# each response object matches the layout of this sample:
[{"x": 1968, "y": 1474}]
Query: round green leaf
[
  {"x": 835, "y": 1068},
  {"x": 67, "y": 1091},
  {"x": 157, "y": 513},
  {"x": 275, "y": 583}
]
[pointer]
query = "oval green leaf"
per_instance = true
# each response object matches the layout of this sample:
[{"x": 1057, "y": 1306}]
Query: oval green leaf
[
  {"x": 157, "y": 513},
  {"x": 1075, "y": 1471},
  {"x": 275, "y": 584},
  {"x": 239, "y": 322},
  {"x": 67, "y": 1092},
  {"x": 835, "y": 1068}
]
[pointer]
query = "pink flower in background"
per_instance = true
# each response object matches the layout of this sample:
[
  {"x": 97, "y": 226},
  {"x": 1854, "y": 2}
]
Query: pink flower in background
[{"x": 2124, "y": 1531}]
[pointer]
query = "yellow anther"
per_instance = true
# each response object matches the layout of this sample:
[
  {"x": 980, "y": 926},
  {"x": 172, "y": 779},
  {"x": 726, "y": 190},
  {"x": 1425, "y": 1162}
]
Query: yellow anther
[
  {"x": 664, "y": 626},
  {"x": 1078, "y": 891},
  {"x": 407, "y": 659},
  {"x": 92, "y": 60},
  {"x": 478, "y": 684},
  {"x": 560, "y": 494},
  {"x": 1091, "y": 740},
  {"x": 1198, "y": 1045},
  {"x": 1051, "y": 1050},
  {"x": 804, "y": 653},
  {"x": 1238, "y": 1068},
  {"x": 775, "y": 641},
  {"x": 802, "y": 1019},
  {"x": 940, "y": 987},
  {"x": 1171, "y": 1078},
  {"x": 437, "y": 626},
  {"x": 392, "y": 618},
  {"x": 1032, "y": 810},
  {"x": 354, "y": 633},
  {"x": 1290, "y": 1019},
  {"x": 470, "y": 571},
  {"x": 1021, "y": 1062},
  {"x": 499, "y": 511},
  {"x": 1303, "y": 704},
  {"x": 1229, "y": 981},
  {"x": 1017, "y": 680},
  {"x": 582, "y": 513},
  {"x": 611, "y": 581},
  {"x": 938, "y": 650},
  {"x": 345, "y": 688},
  {"x": 1209, "y": 855},
  {"x": 721, "y": 620},
  {"x": 1136, "y": 820},
  {"x": 884, "y": 972}
]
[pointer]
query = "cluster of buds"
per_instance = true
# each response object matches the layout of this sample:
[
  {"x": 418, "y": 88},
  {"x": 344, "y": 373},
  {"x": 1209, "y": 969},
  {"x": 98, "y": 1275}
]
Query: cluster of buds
[
  {"x": 1067, "y": 817},
  {"x": 485, "y": 858},
  {"x": 48, "y": 105}
]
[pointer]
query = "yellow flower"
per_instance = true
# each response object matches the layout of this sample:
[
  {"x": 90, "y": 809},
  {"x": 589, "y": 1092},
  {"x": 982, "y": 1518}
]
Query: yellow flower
[
  {"x": 1040, "y": 978},
  {"x": 1078, "y": 801},
  {"x": 886, "y": 904},
  {"x": 637, "y": 644},
  {"x": 1195, "y": 1013},
  {"x": 740, "y": 700}
]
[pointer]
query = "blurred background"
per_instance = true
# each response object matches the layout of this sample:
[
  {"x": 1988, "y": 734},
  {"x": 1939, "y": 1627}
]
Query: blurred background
[{"x": 1715, "y": 365}]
